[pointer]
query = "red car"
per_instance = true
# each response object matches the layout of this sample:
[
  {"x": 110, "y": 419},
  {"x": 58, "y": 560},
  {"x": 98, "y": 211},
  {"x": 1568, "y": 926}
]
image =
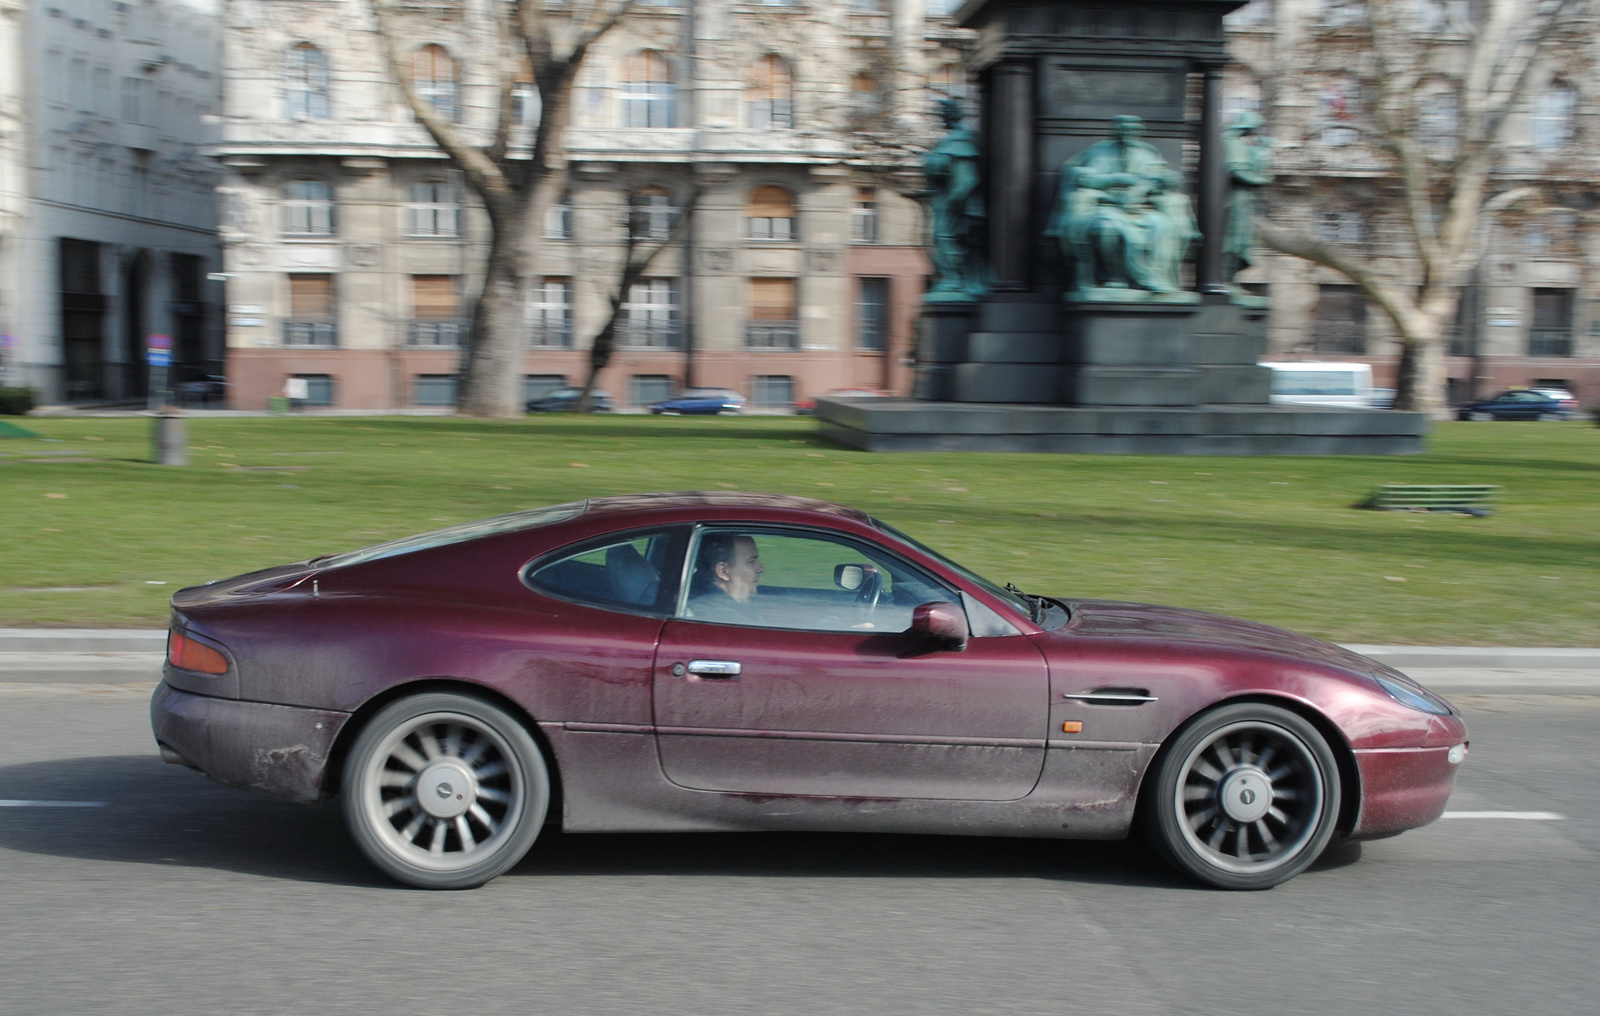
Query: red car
[{"x": 720, "y": 661}]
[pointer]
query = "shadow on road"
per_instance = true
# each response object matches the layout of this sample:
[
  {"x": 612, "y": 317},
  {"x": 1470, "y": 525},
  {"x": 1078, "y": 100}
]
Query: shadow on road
[{"x": 155, "y": 813}]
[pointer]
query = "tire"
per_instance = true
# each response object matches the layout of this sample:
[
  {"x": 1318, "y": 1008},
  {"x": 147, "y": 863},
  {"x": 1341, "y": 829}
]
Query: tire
[
  {"x": 1246, "y": 797},
  {"x": 481, "y": 772},
  {"x": 1479, "y": 416},
  {"x": 1549, "y": 417}
]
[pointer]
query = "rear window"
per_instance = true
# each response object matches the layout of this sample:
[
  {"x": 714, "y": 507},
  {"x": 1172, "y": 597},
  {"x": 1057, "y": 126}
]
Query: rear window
[
  {"x": 1314, "y": 382},
  {"x": 530, "y": 519}
]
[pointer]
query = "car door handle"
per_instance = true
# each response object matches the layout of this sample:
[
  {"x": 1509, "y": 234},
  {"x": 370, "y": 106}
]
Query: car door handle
[
  {"x": 1110, "y": 698},
  {"x": 715, "y": 668}
]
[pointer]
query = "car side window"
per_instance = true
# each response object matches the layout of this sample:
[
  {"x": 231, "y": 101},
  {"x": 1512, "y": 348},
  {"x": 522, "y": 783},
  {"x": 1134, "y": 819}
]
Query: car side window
[
  {"x": 637, "y": 573},
  {"x": 811, "y": 581}
]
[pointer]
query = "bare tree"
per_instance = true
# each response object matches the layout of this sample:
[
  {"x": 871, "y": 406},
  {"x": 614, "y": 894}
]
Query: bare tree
[
  {"x": 1451, "y": 191},
  {"x": 516, "y": 185}
]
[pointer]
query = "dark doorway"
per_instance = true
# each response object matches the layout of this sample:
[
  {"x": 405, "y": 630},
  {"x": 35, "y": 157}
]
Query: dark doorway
[
  {"x": 188, "y": 319},
  {"x": 135, "y": 280},
  {"x": 83, "y": 308}
]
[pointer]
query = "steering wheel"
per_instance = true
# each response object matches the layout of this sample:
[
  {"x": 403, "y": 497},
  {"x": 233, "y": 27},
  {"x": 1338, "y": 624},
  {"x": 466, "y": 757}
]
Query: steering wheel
[{"x": 871, "y": 590}]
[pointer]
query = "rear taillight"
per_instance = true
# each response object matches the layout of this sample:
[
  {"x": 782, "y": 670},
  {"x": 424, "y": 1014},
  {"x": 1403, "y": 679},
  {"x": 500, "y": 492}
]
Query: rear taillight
[{"x": 185, "y": 653}]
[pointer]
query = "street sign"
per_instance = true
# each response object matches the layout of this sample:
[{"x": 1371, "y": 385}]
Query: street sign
[
  {"x": 160, "y": 342},
  {"x": 159, "y": 357}
]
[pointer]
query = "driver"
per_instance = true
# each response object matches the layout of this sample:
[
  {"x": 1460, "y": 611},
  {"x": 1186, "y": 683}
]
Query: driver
[{"x": 726, "y": 573}]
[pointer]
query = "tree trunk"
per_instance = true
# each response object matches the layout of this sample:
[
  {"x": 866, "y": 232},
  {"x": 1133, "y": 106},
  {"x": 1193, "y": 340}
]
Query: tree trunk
[
  {"x": 1421, "y": 378},
  {"x": 491, "y": 385}
]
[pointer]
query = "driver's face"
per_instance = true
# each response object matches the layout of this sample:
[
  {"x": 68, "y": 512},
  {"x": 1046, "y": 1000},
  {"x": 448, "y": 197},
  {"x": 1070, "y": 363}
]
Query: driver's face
[{"x": 739, "y": 577}]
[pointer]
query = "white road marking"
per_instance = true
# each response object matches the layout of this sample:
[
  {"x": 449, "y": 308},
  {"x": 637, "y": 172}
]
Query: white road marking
[
  {"x": 52, "y": 804},
  {"x": 1523, "y": 816}
]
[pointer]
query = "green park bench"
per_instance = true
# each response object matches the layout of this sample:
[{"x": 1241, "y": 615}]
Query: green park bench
[{"x": 1470, "y": 498}]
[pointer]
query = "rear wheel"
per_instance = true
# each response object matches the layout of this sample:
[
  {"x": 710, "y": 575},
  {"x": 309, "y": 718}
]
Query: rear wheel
[
  {"x": 1480, "y": 416},
  {"x": 1245, "y": 798},
  {"x": 445, "y": 791}
]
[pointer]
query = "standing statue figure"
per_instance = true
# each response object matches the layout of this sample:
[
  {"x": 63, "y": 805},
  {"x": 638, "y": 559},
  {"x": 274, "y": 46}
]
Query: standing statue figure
[
  {"x": 955, "y": 211},
  {"x": 1249, "y": 159},
  {"x": 1120, "y": 216}
]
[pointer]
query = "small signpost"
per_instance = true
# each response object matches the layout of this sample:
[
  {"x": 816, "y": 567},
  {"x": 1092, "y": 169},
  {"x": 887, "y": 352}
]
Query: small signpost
[{"x": 170, "y": 439}]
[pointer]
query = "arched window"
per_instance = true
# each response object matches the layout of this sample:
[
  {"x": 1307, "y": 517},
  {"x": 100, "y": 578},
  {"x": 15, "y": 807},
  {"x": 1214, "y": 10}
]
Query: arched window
[
  {"x": 306, "y": 83},
  {"x": 1550, "y": 126},
  {"x": 434, "y": 209},
  {"x": 771, "y": 214},
  {"x": 433, "y": 75},
  {"x": 651, "y": 213},
  {"x": 648, "y": 96},
  {"x": 771, "y": 93},
  {"x": 307, "y": 208}
]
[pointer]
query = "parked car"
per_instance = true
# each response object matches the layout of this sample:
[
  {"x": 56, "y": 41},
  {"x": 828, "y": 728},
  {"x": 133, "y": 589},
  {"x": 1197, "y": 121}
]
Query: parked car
[
  {"x": 1316, "y": 383},
  {"x": 805, "y": 407},
  {"x": 1383, "y": 398},
  {"x": 565, "y": 400},
  {"x": 1515, "y": 404},
  {"x": 726, "y": 661},
  {"x": 700, "y": 402},
  {"x": 1569, "y": 402}
]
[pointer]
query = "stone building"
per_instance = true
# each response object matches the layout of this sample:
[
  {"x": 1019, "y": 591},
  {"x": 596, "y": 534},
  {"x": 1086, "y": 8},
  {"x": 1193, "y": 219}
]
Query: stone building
[
  {"x": 107, "y": 206},
  {"x": 353, "y": 248},
  {"x": 1531, "y": 315}
]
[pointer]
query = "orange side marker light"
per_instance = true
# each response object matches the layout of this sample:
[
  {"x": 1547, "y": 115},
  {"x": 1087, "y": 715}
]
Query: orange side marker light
[{"x": 1072, "y": 727}]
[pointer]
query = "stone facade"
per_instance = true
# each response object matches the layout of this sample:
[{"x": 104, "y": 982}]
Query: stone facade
[
  {"x": 107, "y": 221},
  {"x": 1532, "y": 314},
  {"x": 352, "y": 248}
]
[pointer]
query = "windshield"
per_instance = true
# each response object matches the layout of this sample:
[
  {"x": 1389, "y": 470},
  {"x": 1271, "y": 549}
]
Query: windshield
[
  {"x": 455, "y": 534},
  {"x": 1006, "y": 596}
]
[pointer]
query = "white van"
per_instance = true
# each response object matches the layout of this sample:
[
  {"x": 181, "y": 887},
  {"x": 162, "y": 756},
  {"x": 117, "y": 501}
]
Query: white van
[{"x": 1313, "y": 383}]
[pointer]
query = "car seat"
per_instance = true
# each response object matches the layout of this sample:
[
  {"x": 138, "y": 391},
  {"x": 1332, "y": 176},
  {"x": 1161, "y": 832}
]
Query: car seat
[{"x": 633, "y": 581}]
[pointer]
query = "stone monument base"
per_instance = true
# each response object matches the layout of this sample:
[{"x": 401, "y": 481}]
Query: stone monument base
[{"x": 914, "y": 425}]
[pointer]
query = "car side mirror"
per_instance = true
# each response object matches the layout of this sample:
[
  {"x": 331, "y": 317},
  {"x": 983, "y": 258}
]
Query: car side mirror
[
  {"x": 942, "y": 621},
  {"x": 849, "y": 576}
]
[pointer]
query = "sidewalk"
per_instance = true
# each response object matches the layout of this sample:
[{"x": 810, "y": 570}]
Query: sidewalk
[{"x": 125, "y": 655}]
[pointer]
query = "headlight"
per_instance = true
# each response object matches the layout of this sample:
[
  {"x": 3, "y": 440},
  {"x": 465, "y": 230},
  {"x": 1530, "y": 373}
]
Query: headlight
[{"x": 1413, "y": 697}]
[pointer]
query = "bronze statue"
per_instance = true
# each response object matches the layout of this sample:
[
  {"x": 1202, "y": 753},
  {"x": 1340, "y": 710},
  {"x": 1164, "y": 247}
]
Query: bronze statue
[
  {"x": 1249, "y": 159},
  {"x": 955, "y": 212},
  {"x": 1120, "y": 216}
]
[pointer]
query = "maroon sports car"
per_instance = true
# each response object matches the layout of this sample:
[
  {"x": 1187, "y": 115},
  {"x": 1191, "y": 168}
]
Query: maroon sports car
[{"x": 720, "y": 661}]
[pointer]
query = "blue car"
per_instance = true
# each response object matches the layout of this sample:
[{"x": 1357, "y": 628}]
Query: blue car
[
  {"x": 700, "y": 401},
  {"x": 1516, "y": 404}
]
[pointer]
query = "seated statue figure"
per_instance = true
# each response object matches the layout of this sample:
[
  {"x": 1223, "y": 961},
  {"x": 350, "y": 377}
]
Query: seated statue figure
[{"x": 1120, "y": 217}]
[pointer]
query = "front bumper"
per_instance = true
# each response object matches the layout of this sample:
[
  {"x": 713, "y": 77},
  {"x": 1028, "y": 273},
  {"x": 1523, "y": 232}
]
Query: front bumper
[
  {"x": 279, "y": 750},
  {"x": 1402, "y": 788}
]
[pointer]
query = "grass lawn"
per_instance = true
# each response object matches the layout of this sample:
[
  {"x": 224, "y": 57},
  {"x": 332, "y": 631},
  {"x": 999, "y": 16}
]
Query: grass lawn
[{"x": 95, "y": 535}]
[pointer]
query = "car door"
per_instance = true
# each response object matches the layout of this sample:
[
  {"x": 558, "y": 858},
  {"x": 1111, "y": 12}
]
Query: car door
[{"x": 811, "y": 685}]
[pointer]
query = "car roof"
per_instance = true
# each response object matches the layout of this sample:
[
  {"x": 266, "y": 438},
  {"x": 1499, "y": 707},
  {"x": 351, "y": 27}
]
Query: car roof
[{"x": 669, "y": 500}]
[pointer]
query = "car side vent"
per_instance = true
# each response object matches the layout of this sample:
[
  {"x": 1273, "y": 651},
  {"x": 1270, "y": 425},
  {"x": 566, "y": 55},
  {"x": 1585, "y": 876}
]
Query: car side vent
[{"x": 1112, "y": 696}]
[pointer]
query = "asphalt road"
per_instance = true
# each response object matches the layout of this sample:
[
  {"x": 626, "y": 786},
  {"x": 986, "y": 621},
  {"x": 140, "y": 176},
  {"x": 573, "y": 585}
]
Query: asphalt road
[{"x": 172, "y": 895}]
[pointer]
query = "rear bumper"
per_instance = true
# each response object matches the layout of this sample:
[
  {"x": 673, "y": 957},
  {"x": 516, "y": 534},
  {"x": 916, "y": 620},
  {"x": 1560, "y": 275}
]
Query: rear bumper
[
  {"x": 1402, "y": 788},
  {"x": 279, "y": 750}
]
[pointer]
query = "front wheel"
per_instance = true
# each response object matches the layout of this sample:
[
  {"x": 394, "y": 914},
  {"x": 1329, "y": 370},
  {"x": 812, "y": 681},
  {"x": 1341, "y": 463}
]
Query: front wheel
[
  {"x": 1478, "y": 416},
  {"x": 445, "y": 791},
  {"x": 1245, "y": 798}
]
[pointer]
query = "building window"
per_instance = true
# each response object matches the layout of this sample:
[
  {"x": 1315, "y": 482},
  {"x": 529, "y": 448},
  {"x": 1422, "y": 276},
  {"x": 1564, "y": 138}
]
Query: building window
[
  {"x": 558, "y": 219},
  {"x": 134, "y": 106},
  {"x": 650, "y": 317},
  {"x": 770, "y": 94},
  {"x": 1342, "y": 227},
  {"x": 1551, "y": 122},
  {"x": 772, "y": 391},
  {"x": 550, "y": 314},
  {"x": 434, "y": 209},
  {"x": 1462, "y": 334},
  {"x": 434, "y": 389},
  {"x": 307, "y": 208},
  {"x": 952, "y": 81},
  {"x": 306, "y": 83},
  {"x": 770, "y": 215},
  {"x": 1551, "y": 334},
  {"x": 864, "y": 216},
  {"x": 872, "y": 313},
  {"x": 1439, "y": 122},
  {"x": 318, "y": 389},
  {"x": 773, "y": 322},
  {"x": 525, "y": 102},
  {"x": 1339, "y": 321},
  {"x": 312, "y": 319},
  {"x": 651, "y": 214},
  {"x": 648, "y": 96},
  {"x": 537, "y": 386},
  {"x": 1241, "y": 93},
  {"x": 1339, "y": 102},
  {"x": 433, "y": 77},
  {"x": 866, "y": 99},
  {"x": 648, "y": 389},
  {"x": 436, "y": 312}
]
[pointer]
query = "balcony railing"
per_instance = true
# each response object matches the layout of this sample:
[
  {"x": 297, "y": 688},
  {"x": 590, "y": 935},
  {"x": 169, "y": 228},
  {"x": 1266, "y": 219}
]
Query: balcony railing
[
  {"x": 437, "y": 333},
  {"x": 772, "y": 335},
  {"x": 1550, "y": 342},
  {"x": 307, "y": 332},
  {"x": 650, "y": 336}
]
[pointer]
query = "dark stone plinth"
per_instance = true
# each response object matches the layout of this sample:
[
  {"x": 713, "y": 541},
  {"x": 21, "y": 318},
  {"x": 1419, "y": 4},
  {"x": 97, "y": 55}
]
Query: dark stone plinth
[
  {"x": 1129, "y": 386},
  {"x": 885, "y": 425},
  {"x": 1004, "y": 382}
]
